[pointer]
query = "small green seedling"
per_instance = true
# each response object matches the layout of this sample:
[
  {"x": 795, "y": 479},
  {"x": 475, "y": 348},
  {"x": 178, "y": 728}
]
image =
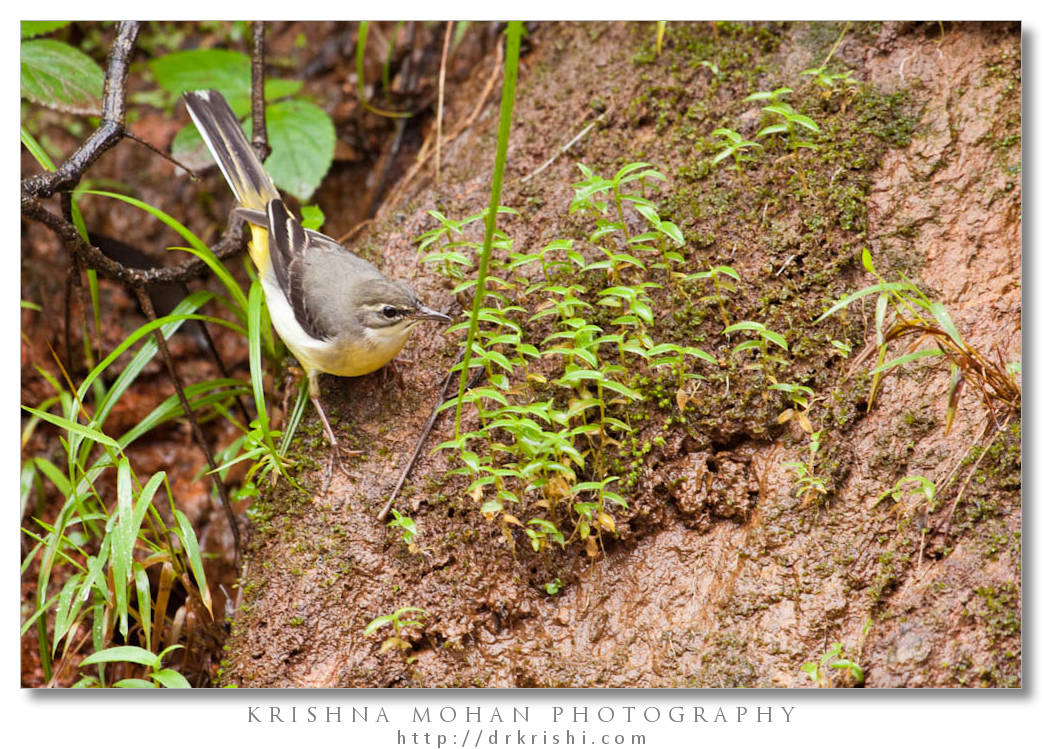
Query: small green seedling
[
  {"x": 541, "y": 532},
  {"x": 407, "y": 526},
  {"x": 830, "y": 83},
  {"x": 910, "y": 494},
  {"x": 398, "y": 623},
  {"x": 791, "y": 123},
  {"x": 800, "y": 396},
  {"x": 761, "y": 341},
  {"x": 808, "y": 482},
  {"x": 719, "y": 275},
  {"x": 832, "y": 660},
  {"x": 733, "y": 145}
]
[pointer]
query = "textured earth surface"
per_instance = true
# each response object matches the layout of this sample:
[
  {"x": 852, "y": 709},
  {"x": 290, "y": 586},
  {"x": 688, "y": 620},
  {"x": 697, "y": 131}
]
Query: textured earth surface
[{"x": 722, "y": 576}]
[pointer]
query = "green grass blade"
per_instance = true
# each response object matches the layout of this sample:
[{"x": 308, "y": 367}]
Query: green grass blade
[
  {"x": 890, "y": 286},
  {"x": 196, "y": 246},
  {"x": 944, "y": 319},
  {"x": 144, "y": 603},
  {"x": 75, "y": 428},
  {"x": 190, "y": 544},
  {"x": 36, "y": 150},
  {"x": 506, "y": 109},
  {"x": 907, "y": 358},
  {"x": 123, "y": 541}
]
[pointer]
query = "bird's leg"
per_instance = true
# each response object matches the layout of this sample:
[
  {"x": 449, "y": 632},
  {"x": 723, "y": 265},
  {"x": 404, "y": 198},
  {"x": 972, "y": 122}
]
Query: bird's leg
[
  {"x": 337, "y": 450},
  {"x": 313, "y": 392},
  {"x": 393, "y": 369}
]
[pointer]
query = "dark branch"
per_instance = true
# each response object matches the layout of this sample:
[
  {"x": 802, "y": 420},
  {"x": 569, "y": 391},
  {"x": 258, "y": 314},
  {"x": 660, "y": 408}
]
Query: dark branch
[
  {"x": 260, "y": 123},
  {"x": 230, "y": 244}
]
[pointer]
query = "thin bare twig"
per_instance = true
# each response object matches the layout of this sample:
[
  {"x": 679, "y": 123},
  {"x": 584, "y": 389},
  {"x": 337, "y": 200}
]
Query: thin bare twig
[
  {"x": 441, "y": 101},
  {"x": 566, "y": 146},
  {"x": 431, "y": 420}
]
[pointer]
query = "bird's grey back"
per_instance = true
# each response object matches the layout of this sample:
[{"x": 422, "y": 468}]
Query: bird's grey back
[{"x": 334, "y": 279}]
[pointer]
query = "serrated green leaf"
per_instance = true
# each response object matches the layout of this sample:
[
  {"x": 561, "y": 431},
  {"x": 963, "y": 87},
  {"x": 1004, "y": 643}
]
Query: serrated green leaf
[
  {"x": 57, "y": 75},
  {"x": 302, "y": 140},
  {"x": 39, "y": 28}
]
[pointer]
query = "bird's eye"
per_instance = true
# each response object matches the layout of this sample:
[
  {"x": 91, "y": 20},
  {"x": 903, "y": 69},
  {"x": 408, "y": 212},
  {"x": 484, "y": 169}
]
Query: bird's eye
[{"x": 389, "y": 312}]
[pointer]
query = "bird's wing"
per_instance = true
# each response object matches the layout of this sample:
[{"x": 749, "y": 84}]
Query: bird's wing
[
  {"x": 290, "y": 246},
  {"x": 314, "y": 271}
]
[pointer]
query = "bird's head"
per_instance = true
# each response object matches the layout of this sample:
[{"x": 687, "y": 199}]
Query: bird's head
[{"x": 388, "y": 310}]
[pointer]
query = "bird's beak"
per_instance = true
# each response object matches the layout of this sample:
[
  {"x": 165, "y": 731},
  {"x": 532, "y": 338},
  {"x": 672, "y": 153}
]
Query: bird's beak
[{"x": 426, "y": 313}]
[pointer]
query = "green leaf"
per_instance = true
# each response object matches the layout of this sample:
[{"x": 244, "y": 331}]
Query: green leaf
[
  {"x": 887, "y": 287},
  {"x": 191, "y": 549},
  {"x": 771, "y": 129},
  {"x": 123, "y": 654},
  {"x": 312, "y": 217},
  {"x": 941, "y": 315},
  {"x": 39, "y": 28},
  {"x": 776, "y": 338},
  {"x": 672, "y": 231},
  {"x": 75, "y": 428},
  {"x": 758, "y": 327},
  {"x": 221, "y": 69},
  {"x": 622, "y": 390},
  {"x": 171, "y": 679},
  {"x": 866, "y": 260},
  {"x": 59, "y": 76},
  {"x": 123, "y": 541},
  {"x": 302, "y": 139},
  {"x": 134, "y": 684},
  {"x": 921, "y": 354},
  {"x": 376, "y": 623},
  {"x": 807, "y": 122}
]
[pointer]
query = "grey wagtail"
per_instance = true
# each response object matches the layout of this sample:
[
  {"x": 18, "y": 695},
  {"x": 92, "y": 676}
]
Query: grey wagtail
[{"x": 335, "y": 311}]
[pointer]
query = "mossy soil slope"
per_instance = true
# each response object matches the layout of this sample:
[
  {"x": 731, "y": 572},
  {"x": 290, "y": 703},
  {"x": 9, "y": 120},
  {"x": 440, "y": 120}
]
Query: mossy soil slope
[{"x": 718, "y": 570}]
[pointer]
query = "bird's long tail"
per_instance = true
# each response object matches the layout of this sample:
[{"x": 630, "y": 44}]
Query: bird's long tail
[{"x": 242, "y": 169}]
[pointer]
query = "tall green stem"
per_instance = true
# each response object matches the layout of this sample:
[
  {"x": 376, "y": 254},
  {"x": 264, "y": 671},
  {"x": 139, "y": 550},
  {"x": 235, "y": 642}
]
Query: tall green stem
[{"x": 506, "y": 109}]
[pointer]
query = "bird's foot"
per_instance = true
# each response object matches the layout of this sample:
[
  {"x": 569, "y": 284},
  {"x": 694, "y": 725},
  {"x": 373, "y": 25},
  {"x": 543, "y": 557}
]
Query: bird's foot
[{"x": 337, "y": 453}]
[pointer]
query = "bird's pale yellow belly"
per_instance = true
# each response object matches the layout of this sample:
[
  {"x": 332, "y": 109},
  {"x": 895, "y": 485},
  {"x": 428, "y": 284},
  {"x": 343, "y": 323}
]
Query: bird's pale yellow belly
[{"x": 348, "y": 360}]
